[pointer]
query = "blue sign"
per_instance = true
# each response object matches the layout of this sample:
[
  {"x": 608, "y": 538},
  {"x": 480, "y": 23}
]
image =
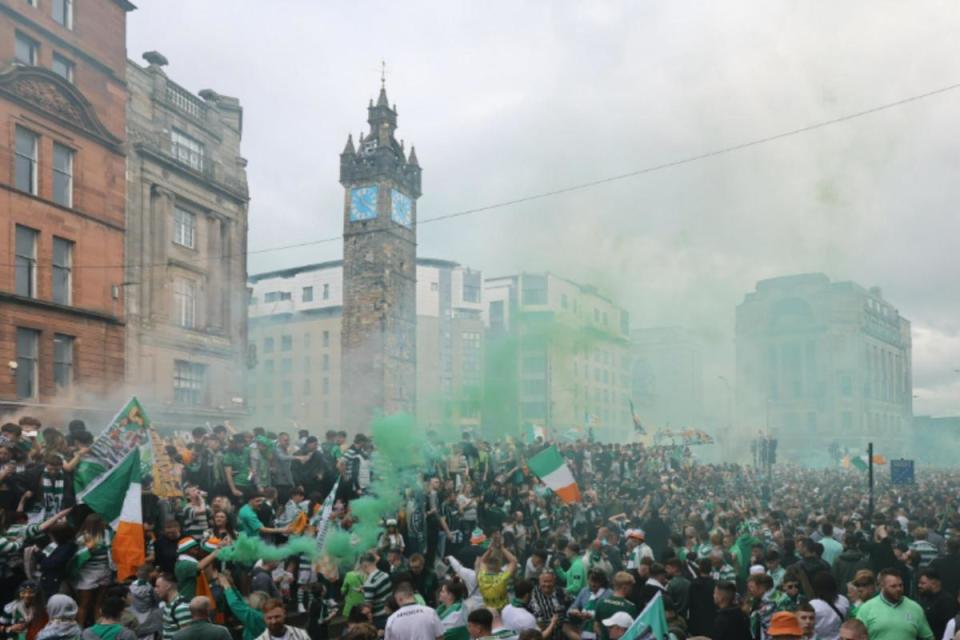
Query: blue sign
[{"x": 901, "y": 471}]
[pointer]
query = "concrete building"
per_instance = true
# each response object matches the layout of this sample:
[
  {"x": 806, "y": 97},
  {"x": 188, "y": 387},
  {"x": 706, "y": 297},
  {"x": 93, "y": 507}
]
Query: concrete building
[
  {"x": 296, "y": 320},
  {"x": 821, "y": 361},
  {"x": 186, "y": 246},
  {"x": 63, "y": 96},
  {"x": 934, "y": 441},
  {"x": 558, "y": 355},
  {"x": 667, "y": 377},
  {"x": 379, "y": 336}
]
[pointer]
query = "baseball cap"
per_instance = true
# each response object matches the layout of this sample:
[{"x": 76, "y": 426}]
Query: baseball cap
[
  {"x": 784, "y": 623},
  {"x": 619, "y": 619}
]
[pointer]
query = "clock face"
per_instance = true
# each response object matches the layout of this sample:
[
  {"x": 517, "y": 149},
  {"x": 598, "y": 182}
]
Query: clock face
[
  {"x": 402, "y": 208},
  {"x": 363, "y": 203}
]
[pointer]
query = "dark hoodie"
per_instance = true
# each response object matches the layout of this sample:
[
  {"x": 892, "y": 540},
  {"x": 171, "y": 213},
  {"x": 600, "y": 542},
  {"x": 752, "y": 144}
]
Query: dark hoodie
[
  {"x": 731, "y": 624},
  {"x": 846, "y": 565}
]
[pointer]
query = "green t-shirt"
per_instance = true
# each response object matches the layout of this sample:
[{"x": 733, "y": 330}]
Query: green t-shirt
[
  {"x": 239, "y": 462},
  {"x": 609, "y": 606},
  {"x": 106, "y": 631},
  {"x": 248, "y": 522},
  {"x": 888, "y": 621},
  {"x": 352, "y": 590}
]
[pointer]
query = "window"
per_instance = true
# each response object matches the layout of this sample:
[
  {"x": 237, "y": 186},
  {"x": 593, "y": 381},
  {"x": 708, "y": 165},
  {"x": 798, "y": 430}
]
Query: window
[
  {"x": 185, "y": 302},
  {"x": 497, "y": 316},
  {"x": 326, "y": 292},
  {"x": 26, "y": 49},
  {"x": 307, "y": 294},
  {"x": 276, "y": 296},
  {"x": 326, "y": 339},
  {"x": 286, "y": 343},
  {"x": 286, "y": 365},
  {"x": 184, "y": 228},
  {"x": 187, "y": 150},
  {"x": 306, "y": 340},
  {"x": 26, "y": 262},
  {"x": 27, "y": 366},
  {"x": 471, "y": 286},
  {"x": 26, "y": 154},
  {"x": 268, "y": 345},
  {"x": 62, "y": 361},
  {"x": 534, "y": 289},
  {"x": 62, "y": 270},
  {"x": 63, "y": 67},
  {"x": 326, "y": 385},
  {"x": 62, "y": 175},
  {"x": 286, "y": 388},
  {"x": 268, "y": 367},
  {"x": 325, "y": 363},
  {"x": 306, "y": 386},
  {"x": 63, "y": 12},
  {"x": 471, "y": 357},
  {"x": 563, "y": 301},
  {"x": 188, "y": 382},
  {"x": 306, "y": 363}
]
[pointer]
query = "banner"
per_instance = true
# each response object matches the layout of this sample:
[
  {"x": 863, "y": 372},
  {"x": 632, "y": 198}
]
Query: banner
[
  {"x": 165, "y": 481},
  {"x": 127, "y": 431},
  {"x": 323, "y": 525}
]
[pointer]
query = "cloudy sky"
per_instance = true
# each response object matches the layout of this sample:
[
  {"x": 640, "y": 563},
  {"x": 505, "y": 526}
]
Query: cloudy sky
[{"x": 507, "y": 99}]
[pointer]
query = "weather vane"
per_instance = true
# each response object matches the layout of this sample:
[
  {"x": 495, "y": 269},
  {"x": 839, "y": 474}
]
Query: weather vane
[{"x": 383, "y": 74}]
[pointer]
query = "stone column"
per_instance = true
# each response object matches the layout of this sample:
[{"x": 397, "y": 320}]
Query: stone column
[
  {"x": 161, "y": 212},
  {"x": 215, "y": 283}
]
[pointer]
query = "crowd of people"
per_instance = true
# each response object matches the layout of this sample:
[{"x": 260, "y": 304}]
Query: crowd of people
[{"x": 478, "y": 547}]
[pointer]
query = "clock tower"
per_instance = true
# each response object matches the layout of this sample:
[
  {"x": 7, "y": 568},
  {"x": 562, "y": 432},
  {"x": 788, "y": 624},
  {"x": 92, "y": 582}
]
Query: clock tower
[{"x": 379, "y": 333}]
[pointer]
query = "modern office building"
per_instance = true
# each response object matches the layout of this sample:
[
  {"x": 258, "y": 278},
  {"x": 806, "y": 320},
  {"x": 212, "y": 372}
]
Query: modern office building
[
  {"x": 667, "y": 377},
  {"x": 296, "y": 321},
  {"x": 558, "y": 356}
]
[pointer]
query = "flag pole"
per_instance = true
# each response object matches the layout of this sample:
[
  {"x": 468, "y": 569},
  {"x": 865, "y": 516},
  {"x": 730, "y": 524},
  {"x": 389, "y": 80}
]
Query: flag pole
[{"x": 870, "y": 480}]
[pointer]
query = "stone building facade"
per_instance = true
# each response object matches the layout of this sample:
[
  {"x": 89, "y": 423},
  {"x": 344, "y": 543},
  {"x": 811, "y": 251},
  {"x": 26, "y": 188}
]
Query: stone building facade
[
  {"x": 296, "y": 320},
  {"x": 378, "y": 340},
  {"x": 62, "y": 103},
  {"x": 557, "y": 355},
  {"x": 820, "y": 362},
  {"x": 186, "y": 244}
]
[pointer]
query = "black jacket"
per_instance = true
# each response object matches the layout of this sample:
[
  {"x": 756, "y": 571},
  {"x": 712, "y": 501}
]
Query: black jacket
[
  {"x": 939, "y": 609},
  {"x": 731, "y": 624},
  {"x": 702, "y": 609},
  {"x": 948, "y": 567}
]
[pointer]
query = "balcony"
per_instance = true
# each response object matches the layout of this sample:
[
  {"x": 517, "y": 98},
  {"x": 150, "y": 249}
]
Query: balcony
[{"x": 184, "y": 101}]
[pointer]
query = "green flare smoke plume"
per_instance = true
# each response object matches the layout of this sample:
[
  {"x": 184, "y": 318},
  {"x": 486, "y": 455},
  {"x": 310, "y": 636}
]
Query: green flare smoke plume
[
  {"x": 397, "y": 461},
  {"x": 247, "y": 550}
]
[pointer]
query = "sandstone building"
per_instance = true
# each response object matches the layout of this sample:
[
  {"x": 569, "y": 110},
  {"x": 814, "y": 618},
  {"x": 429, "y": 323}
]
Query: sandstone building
[{"x": 63, "y": 97}]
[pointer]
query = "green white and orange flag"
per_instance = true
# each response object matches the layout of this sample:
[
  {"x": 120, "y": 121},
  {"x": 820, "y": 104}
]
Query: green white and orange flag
[
  {"x": 552, "y": 469},
  {"x": 115, "y": 496}
]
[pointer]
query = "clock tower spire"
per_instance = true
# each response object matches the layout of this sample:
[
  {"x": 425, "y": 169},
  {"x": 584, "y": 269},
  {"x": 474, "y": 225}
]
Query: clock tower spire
[{"x": 379, "y": 333}]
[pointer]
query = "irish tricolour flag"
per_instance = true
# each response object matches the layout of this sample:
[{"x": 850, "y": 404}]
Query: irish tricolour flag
[
  {"x": 552, "y": 469},
  {"x": 115, "y": 496}
]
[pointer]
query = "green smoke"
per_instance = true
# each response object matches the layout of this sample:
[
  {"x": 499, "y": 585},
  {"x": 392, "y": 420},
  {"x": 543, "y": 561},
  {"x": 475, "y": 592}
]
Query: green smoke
[
  {"x": 247, "y": 550},
  {"x": 397, "y": 463}
]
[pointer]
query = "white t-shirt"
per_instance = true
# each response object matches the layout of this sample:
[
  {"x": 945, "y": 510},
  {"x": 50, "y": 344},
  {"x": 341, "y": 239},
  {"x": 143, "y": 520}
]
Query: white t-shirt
[
  {"x": 951, "y": 630},
  {"x": 826, "y": 623},
  {"x": 413, "y": 622},
  {"x": 518, "y": 618}
]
